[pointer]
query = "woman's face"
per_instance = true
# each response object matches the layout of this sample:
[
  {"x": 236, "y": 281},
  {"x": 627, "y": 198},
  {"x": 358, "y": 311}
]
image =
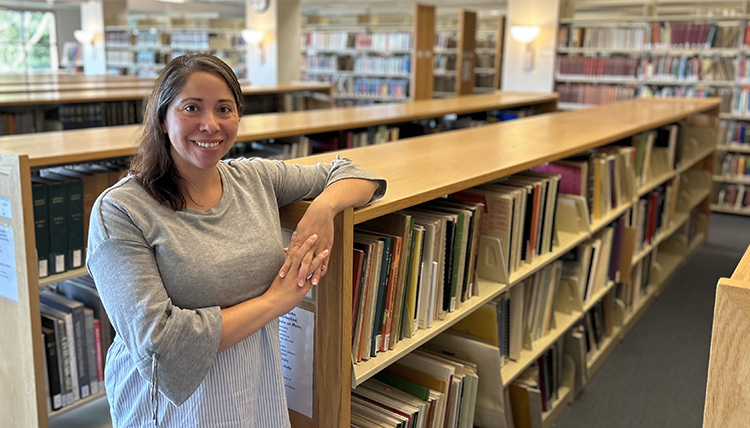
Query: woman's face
[{"x": 201, "y": 122}]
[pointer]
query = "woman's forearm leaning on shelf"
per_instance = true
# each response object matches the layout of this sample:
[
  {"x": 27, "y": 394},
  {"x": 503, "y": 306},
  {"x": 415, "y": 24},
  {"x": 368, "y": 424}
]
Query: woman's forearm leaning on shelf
[
  {"x": 242, "y": 320},
  {"x": 318, "y": 219}
]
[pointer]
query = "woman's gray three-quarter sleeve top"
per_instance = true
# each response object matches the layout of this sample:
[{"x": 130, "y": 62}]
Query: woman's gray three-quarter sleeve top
[{"x": 164, "y": 277}]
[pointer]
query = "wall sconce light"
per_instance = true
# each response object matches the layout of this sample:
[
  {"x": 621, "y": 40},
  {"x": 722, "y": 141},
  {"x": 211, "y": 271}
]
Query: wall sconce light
[
  {"x": 255, "y": 38},
  {"x": 84, "y": 36},
  {"x": 526, "y": 34}
]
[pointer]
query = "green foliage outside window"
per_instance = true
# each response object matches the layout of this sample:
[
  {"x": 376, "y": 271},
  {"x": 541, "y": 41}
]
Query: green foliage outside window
[{"x": 27, "y": 41}]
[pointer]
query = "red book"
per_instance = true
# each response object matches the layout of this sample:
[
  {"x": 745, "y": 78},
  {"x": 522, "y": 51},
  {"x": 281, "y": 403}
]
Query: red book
[{"x": 359, "y": 257}]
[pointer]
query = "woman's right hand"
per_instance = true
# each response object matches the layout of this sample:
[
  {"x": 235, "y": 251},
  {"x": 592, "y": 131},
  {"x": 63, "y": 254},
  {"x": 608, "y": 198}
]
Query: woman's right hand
[{"x": 285, "y": 293}]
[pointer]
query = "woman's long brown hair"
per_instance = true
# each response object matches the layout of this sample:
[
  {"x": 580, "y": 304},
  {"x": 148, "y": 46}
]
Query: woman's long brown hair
[{"x": 153, "y": 166}]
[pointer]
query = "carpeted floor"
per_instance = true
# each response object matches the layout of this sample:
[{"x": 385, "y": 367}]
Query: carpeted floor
[{"x": 656, "y": 377}]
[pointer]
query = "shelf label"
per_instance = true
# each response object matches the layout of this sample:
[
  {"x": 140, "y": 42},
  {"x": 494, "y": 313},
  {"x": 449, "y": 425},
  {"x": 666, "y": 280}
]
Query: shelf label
[
  {"x": 296, "y": 337},
  {"x": 8, "y": 280},
  {"x": 5, "y": 208}
]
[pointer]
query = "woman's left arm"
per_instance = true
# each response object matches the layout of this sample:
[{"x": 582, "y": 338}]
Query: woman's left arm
[{"x": 318, "y": 219}]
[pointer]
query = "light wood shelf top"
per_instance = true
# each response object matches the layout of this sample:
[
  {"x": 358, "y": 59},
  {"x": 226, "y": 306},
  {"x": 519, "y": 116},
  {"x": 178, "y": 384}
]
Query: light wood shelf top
[
  {"x": 118, "y": 94},
  {"x": 61, "y": 147},
  {"x": 75, "y": 86},
  {"x": 424, "y": 168}
]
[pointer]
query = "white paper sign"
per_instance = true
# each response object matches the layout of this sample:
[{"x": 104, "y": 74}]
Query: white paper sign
[
  {"x": 5, "y": 208},
  {"x": 296, "y": 334},
  {"x": 8, "y": 281}
]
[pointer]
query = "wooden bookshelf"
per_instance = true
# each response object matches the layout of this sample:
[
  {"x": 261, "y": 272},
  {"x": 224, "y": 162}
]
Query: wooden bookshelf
[
  {"x": 409, "y": 166},
  {"x": 20, "y": 153},
  {"x": 627, "y": 29},
  {"x": 64, "y": 147},
  {"x": 726, "y": 390},
  {"x": 111, "y": 92}
]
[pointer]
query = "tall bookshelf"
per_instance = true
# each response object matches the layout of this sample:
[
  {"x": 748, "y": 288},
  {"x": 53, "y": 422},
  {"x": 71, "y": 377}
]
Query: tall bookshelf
[
  {"x": 19, "y": 155},
  {"x": 475, "y": 38},
  {"x": 145, "y": 48},
  {"x": 367, "y": 58},
  {"x": 623, "y": 50},
  {"x": 525, "y": 143}
]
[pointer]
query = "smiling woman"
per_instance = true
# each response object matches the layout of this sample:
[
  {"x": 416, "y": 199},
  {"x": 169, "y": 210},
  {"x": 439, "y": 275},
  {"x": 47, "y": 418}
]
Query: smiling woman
[{"x": 187, "y": 255}]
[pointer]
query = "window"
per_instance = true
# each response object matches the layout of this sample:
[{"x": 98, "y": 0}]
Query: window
[{"x": 28, "y": 42}]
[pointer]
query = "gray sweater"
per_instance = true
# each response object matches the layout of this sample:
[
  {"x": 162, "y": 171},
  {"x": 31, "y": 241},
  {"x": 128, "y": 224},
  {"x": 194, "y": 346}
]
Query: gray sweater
[{"x": 164, "y": 276}]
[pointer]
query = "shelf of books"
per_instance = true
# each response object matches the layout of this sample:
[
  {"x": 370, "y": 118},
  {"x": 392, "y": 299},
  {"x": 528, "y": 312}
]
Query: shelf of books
[
  {"x": 27, "y": 113},
  {"x": 521, "y": 276},
  {"x": 146, "y": 47},
  {"x": 550, "y": 298},
  {"x": 364, "y": 65},
  {"x": 629, "y": 50},
  {"x": 86, "y": 161}
]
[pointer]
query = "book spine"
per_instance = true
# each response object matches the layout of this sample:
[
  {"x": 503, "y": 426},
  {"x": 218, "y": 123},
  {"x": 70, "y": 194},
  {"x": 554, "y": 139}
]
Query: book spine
[
  {"x": 58, "y": 227},
  {"x": 74, "y": 195},
  {"x": 99, "y": 354},
  {"x": 41, "y": 228},
  {"x": 91, "y": 358},
  {"x": 53, "y": 369}
]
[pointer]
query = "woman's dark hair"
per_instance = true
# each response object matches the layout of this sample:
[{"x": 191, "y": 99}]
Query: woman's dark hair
[{"x": 153, "y": 166}]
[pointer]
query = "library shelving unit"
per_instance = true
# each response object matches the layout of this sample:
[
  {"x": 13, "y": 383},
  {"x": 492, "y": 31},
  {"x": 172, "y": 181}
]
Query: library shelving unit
[
  {"x": 145, "y": 48},
  {"x": 23, "y": 392},
  {"x": 489, "y": 53},
  {"x": 490, "y": 152},
  {"x": 726, "y": 392},
  {"x": 27, "y": 112},
  {"x": 468, "y": 55},
  {"x": 731, "y": 172},
  {"x": 367, "y": 58},
  {"x": 612, "y": 51}
]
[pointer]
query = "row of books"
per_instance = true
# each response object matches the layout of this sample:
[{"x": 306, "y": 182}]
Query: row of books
[
  {"x": 62, "y": 199},
  {"x": 734, "y": 197},
  {"x": 444, "y": 62},
  {"x": 26, "y": 122},
  {"x": 327, "y": 40},
  {"x": 734, "y": 133},
  {"x": 693, "y": 36},
  {"x": 584, "y": 339},
  {"x": 580, "y": 93},
  {"x": 653, "y": 213},
  {"x": 107, "y": 113},
  {"x": 394, "y": 88},
  {"x": 620, "y": 67},
  {"x": 411, "y": 268},
  {"x": 444, "y": 84},
  {"x": 601, "y": 37},
  {"x": 444, "y": 377},
  {"x": 536, "y": 389},
  {"x": 738, "y": 101},
  {"x": 519, "y": 212},
  {"x": 632, "y": 292},
  {"x": 76, "y": 335},
  {"x": 399, "y": 64},
  {"x": 396, "y": 41},
  {"x": 735, "y": 165},
  {"x": 445, "y": 41},
  {"x": 688, "y": 91},
  {"x": 689, "y": 69}
]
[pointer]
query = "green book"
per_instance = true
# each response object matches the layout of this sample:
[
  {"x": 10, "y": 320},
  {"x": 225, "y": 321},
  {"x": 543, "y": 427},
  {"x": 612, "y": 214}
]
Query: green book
[
  {"x": 58, "y": 226},
  {"x": 41, "y": 228},
  {"x": 74, "y": 255},
  {"x": 408, "y": 387}
]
